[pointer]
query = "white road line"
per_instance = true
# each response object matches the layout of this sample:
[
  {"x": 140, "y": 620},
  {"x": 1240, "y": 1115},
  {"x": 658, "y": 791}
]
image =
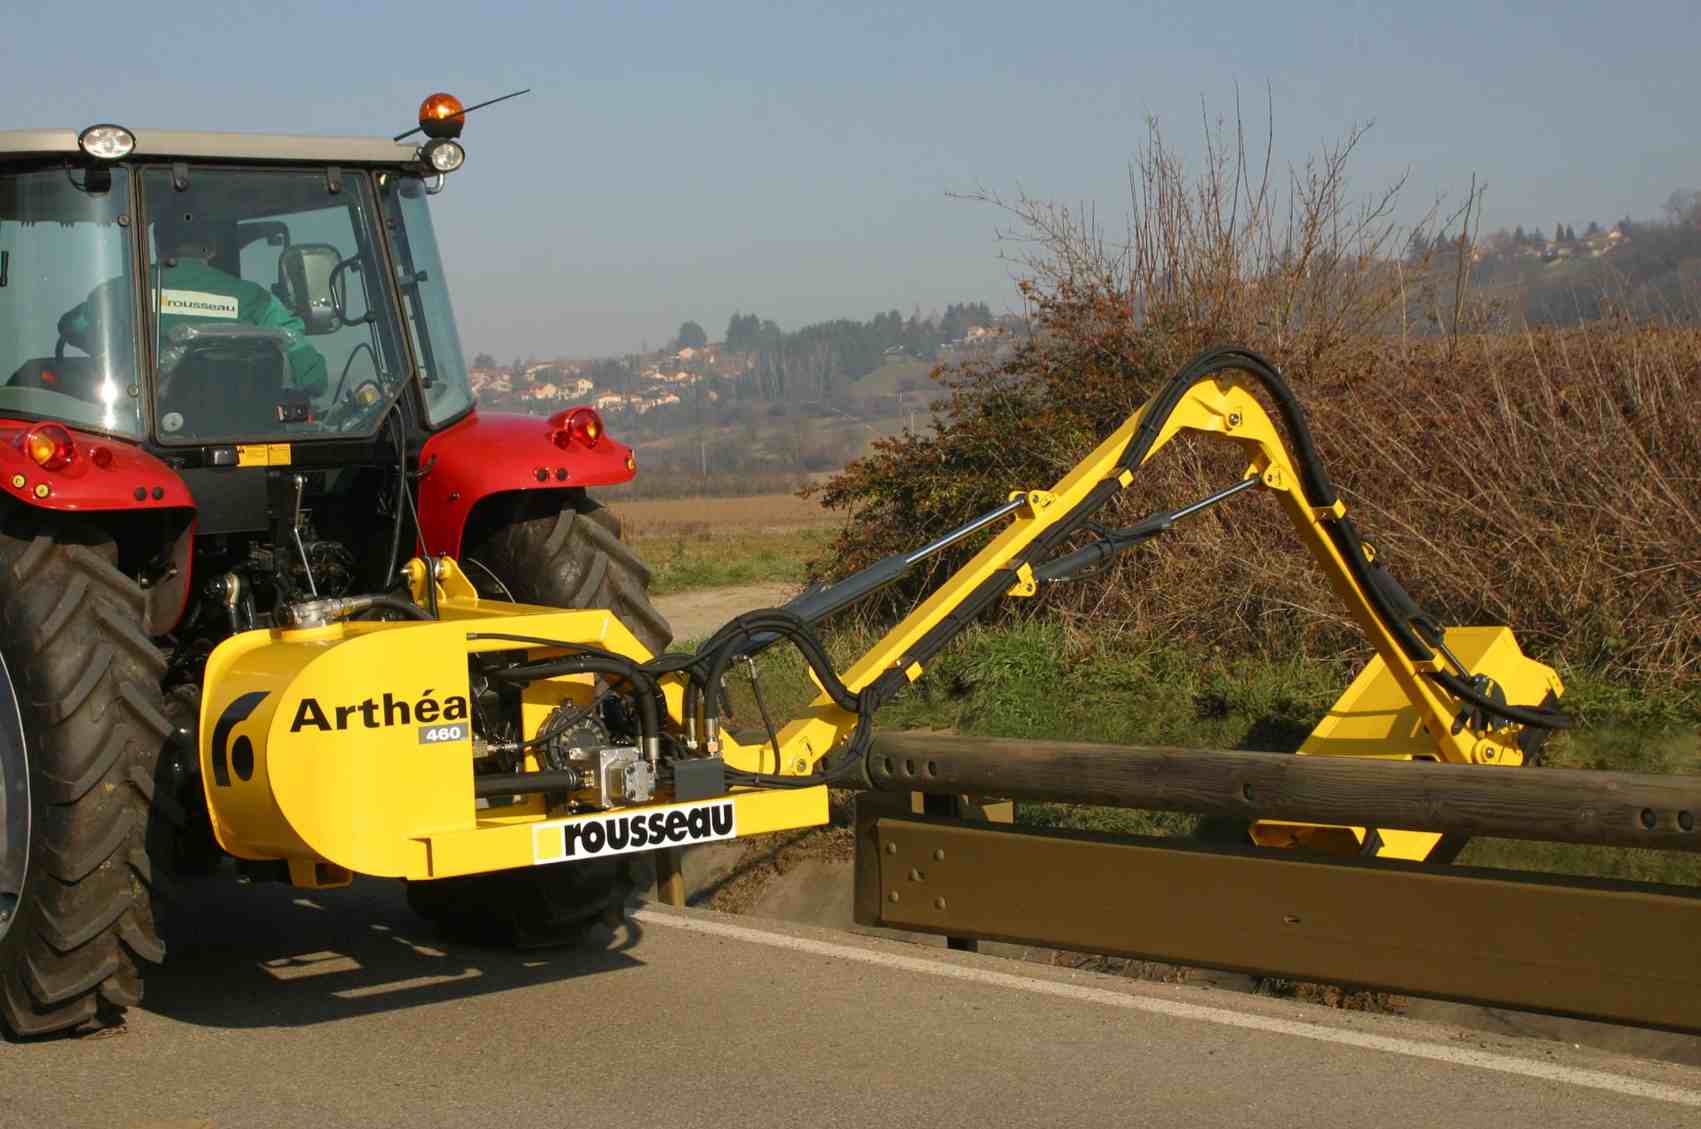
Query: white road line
[{"x": 1458, "y": 1056}]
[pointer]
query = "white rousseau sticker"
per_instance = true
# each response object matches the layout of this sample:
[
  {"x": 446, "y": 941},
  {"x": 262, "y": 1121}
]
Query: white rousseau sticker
[
  {"x": 198, "y": 304},
  {"x": 623, "y": 832}
]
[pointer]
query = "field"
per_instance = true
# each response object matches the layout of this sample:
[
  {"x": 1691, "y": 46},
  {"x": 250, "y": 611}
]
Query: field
[{"x": 693, "y": 543}]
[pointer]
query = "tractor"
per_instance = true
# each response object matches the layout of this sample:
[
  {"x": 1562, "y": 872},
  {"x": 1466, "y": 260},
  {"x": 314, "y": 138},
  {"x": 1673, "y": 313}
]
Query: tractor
[
  {"x": 231, "y": 382},
  {"x": 273, "y": 591}
]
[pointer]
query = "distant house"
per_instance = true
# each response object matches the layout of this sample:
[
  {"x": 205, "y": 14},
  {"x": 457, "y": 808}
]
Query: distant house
[{"x": 688, "y": 354}]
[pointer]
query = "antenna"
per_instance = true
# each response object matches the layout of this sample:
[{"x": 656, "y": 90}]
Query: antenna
[{"x": 465, "y": 112}]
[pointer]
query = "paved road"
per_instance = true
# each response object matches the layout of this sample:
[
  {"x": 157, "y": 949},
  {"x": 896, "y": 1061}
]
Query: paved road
[{"x": 339, "y": 1009}]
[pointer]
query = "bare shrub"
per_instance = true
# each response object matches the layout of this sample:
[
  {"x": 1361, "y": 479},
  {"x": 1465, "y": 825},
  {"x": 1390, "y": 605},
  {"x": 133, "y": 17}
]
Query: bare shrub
[{"x": 1545, "y": 479}]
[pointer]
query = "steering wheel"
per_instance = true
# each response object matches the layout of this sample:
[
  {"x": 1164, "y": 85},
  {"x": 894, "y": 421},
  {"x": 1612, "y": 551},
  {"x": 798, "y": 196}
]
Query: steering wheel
[{"x": 349, "y": 412}]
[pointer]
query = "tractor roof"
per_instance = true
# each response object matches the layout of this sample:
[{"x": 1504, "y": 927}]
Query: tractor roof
[{"x": 191, "y": 146}]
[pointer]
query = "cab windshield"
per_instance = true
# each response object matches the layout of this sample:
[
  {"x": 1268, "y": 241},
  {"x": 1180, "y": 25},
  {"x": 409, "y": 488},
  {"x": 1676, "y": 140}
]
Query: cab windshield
[
  {"x": 64, "y": 246},
  {"x": 425, "y": 299},
  {"x": 269, "y": 308}
]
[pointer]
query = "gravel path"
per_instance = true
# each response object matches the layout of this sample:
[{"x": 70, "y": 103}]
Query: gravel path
[{"x": 695, "y": 615}]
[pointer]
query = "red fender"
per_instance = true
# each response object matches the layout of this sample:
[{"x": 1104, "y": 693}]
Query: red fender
[
  {"x": 102, "y": 474},
  {"x": 500, "y": 452},
  {"x": 105, "y": 476}
]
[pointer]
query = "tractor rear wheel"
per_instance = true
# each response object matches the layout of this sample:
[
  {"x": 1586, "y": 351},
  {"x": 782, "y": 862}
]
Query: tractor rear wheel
[
  {"x": 81, "y": 732},
  {"x": 557, "y": 550},
  {"x": 564, "y": 551}
]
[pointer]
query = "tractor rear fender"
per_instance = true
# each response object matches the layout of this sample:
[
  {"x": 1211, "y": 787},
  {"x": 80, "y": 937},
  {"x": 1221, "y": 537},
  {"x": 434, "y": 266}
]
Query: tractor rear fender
[
  {"x": 136, "y": 498},
  {"x": 496, "y": 453}
]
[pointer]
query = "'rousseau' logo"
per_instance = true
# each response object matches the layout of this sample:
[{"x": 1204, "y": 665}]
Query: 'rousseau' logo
[
  {"x": 378, "y": 713},
  {"x": 620, "y": 833}
]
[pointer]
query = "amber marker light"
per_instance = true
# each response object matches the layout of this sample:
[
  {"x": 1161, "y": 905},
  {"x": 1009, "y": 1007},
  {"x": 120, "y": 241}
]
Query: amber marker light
[
  {"x": 585, "y": 426},
  {"x": 442, "y": 115},
  {"x": 49, "y": 446}
]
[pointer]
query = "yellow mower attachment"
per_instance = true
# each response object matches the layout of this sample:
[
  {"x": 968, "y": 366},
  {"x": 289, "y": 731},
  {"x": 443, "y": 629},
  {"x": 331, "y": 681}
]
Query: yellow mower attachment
[
  {"x": 1375, "y": 718},
  {"x": 349, "y": 747},
  {"x": 478, "y": 735}
]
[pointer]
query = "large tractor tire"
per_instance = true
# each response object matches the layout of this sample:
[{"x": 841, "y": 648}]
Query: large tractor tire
[
  {"x": 564, "y": 551},
  {"x": 559, "y": 551},
  {"x": 83, "y": 729}
]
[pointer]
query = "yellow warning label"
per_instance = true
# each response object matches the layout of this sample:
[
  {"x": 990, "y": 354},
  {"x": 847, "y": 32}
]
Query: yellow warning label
[{"x": 262, "y": 454}]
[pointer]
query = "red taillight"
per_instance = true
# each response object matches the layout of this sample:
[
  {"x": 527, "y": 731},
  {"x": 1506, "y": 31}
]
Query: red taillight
[
  {"x": 581, "y": 425},
  {"x": 49, "y": 446},
  {"x": 586, "y": 426}
]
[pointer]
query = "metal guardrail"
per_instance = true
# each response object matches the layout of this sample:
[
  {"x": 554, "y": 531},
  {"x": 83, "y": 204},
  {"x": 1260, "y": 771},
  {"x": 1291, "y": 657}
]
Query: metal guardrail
[{"x": 1617, "y": 951}]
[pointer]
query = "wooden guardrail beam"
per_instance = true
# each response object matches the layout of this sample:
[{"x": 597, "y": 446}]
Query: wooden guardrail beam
[{"x": 1620, "y": 809}]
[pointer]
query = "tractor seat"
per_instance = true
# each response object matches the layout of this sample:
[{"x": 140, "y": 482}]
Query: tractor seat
[{"x": 222, "y": 382}]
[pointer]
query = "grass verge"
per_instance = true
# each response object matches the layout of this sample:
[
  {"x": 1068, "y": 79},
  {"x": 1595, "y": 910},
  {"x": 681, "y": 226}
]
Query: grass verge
[{"x": 1037, "y": 680}]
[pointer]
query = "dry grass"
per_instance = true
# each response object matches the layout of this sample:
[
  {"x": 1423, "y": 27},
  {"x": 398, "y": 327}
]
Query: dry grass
[
  {"x": 773, "y": 513},
  {"x": 717, "y": 542},
  {"x": 1545, "y": 479}
]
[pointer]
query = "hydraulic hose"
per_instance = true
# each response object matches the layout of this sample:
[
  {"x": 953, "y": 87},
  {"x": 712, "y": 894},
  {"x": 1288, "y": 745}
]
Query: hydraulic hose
[
  {"x": 753, "y": 631},
  {"x": 589, "y": 660},
  {"x": 1536, "y": 717}
]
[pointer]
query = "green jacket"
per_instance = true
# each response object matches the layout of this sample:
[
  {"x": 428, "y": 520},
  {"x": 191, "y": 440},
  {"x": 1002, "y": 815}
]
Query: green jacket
[{"x": 193, "y": 293}]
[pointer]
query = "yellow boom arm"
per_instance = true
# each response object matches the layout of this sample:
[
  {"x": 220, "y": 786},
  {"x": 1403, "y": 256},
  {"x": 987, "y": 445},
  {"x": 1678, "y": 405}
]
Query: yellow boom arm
[{"x": 1396, "y": 708}]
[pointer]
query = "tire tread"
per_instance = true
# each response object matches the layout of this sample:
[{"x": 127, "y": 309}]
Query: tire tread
[{"x": 87, "y": 682}]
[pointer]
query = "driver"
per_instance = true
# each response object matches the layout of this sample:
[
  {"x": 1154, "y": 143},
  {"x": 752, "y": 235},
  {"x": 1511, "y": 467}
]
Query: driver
[{"x": 194, "y": 292}]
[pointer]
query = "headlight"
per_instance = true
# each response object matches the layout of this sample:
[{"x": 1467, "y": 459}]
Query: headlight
[
  {"x": 106, "y": 142},
  {"x": 443, "y": 155}
]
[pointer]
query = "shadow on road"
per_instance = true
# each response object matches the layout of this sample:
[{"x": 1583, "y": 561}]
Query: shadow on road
[{"x": 273, "y": 956}]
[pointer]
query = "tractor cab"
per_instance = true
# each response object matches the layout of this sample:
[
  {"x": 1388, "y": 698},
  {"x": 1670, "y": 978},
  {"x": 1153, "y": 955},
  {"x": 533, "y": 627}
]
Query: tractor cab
[{"x": 252, "y": 295}]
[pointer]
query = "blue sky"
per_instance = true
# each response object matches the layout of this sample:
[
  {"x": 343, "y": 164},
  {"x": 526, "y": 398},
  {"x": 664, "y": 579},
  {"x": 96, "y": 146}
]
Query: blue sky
[{"x": 796, "y": 160}]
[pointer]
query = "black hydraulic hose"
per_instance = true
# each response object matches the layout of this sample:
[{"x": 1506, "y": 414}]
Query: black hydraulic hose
[
  {"x": 403, "y": 607},
  {"x": 590, "y": 660},
  {"x": 526, "y": 783},
  {"x": 744, "y": 634},
  {"x": 1314, "y": 479},
  {"x": 649, "y": 715},
  {"x": 401, "y": 503},
  {"x": 751, "y": 632},
  {"x": 638, "y": 674},
  {"x": 1535, "y": 717}
]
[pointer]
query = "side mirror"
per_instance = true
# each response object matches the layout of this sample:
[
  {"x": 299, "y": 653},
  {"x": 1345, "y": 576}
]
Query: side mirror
[{"x": 305, "y": 275}]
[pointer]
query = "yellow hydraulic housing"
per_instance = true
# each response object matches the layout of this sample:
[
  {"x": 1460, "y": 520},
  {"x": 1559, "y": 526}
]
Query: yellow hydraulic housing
[{"x": 348, "y": 748}]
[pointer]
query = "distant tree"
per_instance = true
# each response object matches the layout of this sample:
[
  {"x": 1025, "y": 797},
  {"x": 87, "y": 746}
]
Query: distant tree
[
  {"x": 1518, "y": 235},
  {"x": 1592, "y": 230},
  {"x": 691, "y": 336},
  {"x": 1559, "y": 233},
  {"x": 743, "y": 333},
  {"x": 1682, "y": 205},
  {"x": 484, "y": 360}
]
